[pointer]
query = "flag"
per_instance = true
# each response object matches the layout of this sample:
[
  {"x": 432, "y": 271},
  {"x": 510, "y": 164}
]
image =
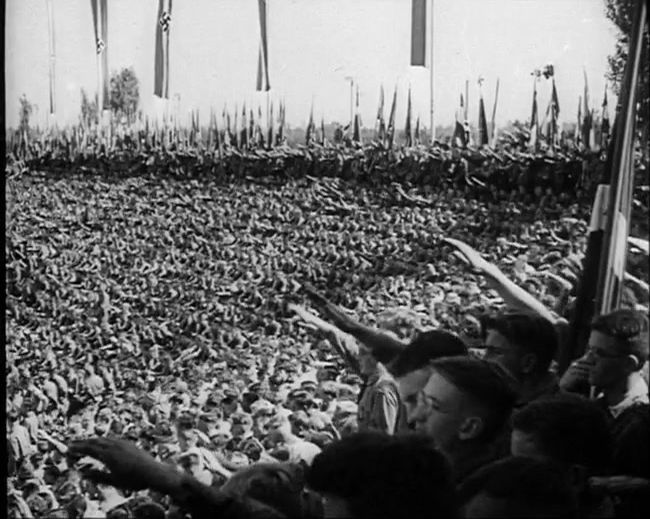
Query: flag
[
  {"x": 243, "y": 139},
  {"x": 100, "y": 21},
  {"x": 407, "y": 129},
  {"x": 161, "y": 67},
  {"x": 280, "y": 136},
  {"x": 380, "y": 126},
  {"x": 555, "y": 113},
  {"x": 587, "y": 121},
  {"x": 416, "y": 134},
  {"x": 466, "y": 109},
  {"x": 459, "y": 138},
  {"x": 50, "y": 26},
  {"x": 482, "y": 124},
  {"x": 356, "y": 135},
  {"x": 270, "y": 128},
  {"x": 263, "y": 54},
  {"x": 534, "y": 123},
  {"x": 391, "y": 120},
  {"x": 322, "y": 131},
  {"x": 251, "y": 128},
  {"x": 604, "y": 124},
  {"x": 418, "y": 32},
  {"x": 494, "y": 115},
  {"x": 577, "y": 137},
  {"x": 309, "y": 134}
]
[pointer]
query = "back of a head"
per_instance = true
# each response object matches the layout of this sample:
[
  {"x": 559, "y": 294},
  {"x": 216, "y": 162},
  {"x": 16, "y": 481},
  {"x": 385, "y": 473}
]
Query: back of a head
[
  {"x": 486, "y": 384},
  {"x": 529, "y": 332},
  {"x": 427, "y": 346},
  {"x": 519, "y": 487},
  {"x": 567, "y": 429},
  {"x": 385, "y": 476},
  {"x": 630, "y": 329},
  {"x": 277, "y": 485}
]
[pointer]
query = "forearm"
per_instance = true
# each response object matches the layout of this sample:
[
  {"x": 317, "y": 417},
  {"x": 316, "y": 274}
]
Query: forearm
[
  {"x": 384, "y": 346},
  {"x": 515, "y": 296}
]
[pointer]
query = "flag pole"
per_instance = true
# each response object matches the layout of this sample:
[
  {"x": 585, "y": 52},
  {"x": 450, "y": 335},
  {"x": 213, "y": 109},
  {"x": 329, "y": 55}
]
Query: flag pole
[
  {"x": 433, "y": 129},
  {"x": 266, "y": 8}
]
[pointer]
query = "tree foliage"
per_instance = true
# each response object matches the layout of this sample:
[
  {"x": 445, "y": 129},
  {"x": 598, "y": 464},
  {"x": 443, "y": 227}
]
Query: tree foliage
[
  {"x": 620, "y": 12},
  {"x": 125, "y": 94}
]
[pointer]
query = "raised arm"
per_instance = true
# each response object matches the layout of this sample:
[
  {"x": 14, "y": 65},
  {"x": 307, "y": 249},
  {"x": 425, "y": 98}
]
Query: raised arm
[
  {"x": 384, "y": 346},
  {"x": 513, "y": 295},
  {"x": 130, "y": 468}
]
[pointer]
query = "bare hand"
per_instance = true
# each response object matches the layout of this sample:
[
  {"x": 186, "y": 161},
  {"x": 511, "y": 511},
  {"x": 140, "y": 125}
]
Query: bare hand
[
  {"x": 577, "y": 375},
  {"x": 332, "y": 312}
]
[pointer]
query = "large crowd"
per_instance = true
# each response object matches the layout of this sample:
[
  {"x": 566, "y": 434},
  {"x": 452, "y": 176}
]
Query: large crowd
[{"x": 317, "y": 332}]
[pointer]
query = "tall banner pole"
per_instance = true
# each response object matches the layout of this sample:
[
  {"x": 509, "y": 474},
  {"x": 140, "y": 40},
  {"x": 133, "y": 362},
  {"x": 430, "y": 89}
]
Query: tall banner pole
[{"x": 431, "y": 122}]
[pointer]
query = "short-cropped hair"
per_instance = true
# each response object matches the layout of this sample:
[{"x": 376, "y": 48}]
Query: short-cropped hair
[
  {"x": 528, "y": 487},
  {"x": 630, "y": 328},
  {"x": 528, "y": 331},
  {"x": 568, "y": 429},
  {"x": 486, "y": 383},
  {"x": 427, "y": 346},
  {"x": 381, "y": 476}
]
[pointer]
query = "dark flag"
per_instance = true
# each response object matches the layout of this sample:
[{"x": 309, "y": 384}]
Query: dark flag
[
  {"x": 309, "y": 133},
  {"x": 391, "y": 121},
  {"x": 577, "y": 137},
  {"x": 587, "y": 121},
  {"x": 534, "y": 122},
  {"x": 459, "y": 139},
  {"x": 407, "y": 128},
  {"x": 418, "y": 32},
  {"x": 380, "y": 126},
  {"x": 555, "y": 113},
  {"x": 604, "y": 125},
  {"x": 356, "y": 134},
  {"x": 161, "y": 69},
  {"x": 100, "y": 20},
  {"x": 269, "y": 139},
  {"x": 416, "y": 134},
  {"x": 323, "y": 141},
  {"x": 280, "y": 136},
  {"x": 483, "y": 139}
]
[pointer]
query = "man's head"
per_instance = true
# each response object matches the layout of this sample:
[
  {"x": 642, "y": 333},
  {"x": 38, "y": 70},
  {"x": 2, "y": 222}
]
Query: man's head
[
  {"x": 523, "y": 343},
  {"x": 412, "y": 369},
  {"x": 373, "y": 475},
  {"x": 464, "y": 400},
  {"x": 566, "y": 429},
  {"x": 242, "y": 424},
  {"x": 367, "y": 362},
  {"x": 618, "y": 345},
  {"x": 519, "y": 487}
]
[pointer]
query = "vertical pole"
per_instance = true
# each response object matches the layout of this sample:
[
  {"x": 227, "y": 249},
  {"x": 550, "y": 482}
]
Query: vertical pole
[{"x": 431, "y": 122}]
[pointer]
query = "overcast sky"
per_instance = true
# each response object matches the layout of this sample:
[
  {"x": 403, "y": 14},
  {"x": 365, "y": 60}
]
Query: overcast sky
[{"x": 313, "y": 46}]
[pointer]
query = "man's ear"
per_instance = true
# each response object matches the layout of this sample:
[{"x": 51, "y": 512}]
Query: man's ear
[
  {"x": 632, "y": 363},
  {"x": 471, "y": 428},
  {"x": 528, "y": 363}
]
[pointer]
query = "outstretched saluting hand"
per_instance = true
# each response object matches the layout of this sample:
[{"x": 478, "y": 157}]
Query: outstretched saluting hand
[{"x": 129, "y": 467}]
